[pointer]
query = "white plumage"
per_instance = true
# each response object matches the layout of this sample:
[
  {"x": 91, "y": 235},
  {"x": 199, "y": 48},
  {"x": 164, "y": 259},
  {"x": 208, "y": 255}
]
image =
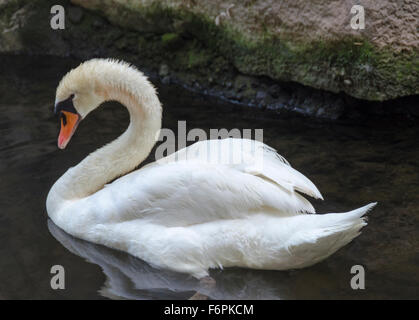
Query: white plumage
[{"x": 187, "y": 212}]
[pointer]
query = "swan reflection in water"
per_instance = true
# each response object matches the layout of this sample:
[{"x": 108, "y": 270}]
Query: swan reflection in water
[{"x": 131, "y": 278}]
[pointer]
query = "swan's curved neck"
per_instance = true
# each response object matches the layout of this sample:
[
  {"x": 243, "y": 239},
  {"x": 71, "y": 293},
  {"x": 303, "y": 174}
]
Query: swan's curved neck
[{"x": 120, "y": 156}]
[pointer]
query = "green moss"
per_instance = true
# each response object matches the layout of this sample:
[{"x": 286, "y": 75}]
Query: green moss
[
  {"x": 197, "y": 59},
  {"x": 193, "y": 55},
  {"x": 169, "y": 37}
]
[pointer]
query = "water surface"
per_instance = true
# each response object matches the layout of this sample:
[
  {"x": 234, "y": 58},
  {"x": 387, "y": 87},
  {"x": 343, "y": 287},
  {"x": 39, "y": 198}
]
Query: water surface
[{"x": 352, "y": 163}]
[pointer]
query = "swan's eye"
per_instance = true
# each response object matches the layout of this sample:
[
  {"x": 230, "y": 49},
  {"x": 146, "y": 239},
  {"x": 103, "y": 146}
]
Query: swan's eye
[{"x": 63, "y": 119}]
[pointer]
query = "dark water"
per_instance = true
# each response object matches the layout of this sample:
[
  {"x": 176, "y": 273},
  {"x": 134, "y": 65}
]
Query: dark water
[{"x": 351, "y": 164}]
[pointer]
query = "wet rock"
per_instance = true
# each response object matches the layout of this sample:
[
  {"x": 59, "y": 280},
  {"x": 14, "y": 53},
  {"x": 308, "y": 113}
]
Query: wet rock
[
  {"x": 242, "y": 82},
  {"x": 320, "y": 113},
  {"x": 231, "y": 95},
  {"x": 275, "y": 90},
  {"x": 276, "y": 106},
  {"x": 98, "y": 23},
  {"x": 261, "y": 95},
  {"x": 22, "y": 32},
  {"x": 75, "y": 14},
  {"x": 347, "y": 82},
  {"x": 166, "y": 80},
  {"x": 164, "y": 70}
]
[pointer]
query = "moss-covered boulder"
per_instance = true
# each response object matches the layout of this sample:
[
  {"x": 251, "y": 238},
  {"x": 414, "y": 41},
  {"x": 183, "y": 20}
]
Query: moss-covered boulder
[
  {"x": 25, "y": 28},
  {"x": 291, "y": 40}
]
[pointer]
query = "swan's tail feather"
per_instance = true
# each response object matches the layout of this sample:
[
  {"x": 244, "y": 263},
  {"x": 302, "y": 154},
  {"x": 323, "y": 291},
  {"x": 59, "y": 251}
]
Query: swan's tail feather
[
  {"x": 358, "y": 213},
  {"x": 328, "y": 233}
]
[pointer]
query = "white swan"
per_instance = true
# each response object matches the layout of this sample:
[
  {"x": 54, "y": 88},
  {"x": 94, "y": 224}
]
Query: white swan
[{"x": 186, "y": 214}]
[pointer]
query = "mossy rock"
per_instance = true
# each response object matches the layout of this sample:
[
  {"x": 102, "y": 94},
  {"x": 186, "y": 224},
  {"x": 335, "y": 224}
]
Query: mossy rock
[
  {"x": 212, "y": 37},
  {"x": 249, "y": 39}
]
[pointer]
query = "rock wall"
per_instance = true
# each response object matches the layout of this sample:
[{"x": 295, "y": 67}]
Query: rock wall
[
  {"x": 225, "y": 51},
  {"x": 309, "y": 42}
]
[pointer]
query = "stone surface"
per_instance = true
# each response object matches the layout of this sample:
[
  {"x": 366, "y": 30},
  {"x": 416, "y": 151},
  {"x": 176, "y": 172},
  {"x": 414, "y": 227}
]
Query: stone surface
[
  {"x": 164, "y": 70},
  {"x": 25, "y": 27},
  {"x": 75, "y": 14},
  {"x": 214, "y": 60},
  {"x": 293, "y": 40}
]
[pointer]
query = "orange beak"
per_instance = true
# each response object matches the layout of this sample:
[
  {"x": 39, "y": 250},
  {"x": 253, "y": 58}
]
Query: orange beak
[{"x": 69, "y": 122}]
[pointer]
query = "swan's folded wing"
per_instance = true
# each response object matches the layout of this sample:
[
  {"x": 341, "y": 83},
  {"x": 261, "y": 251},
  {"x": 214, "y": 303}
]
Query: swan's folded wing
[
  {"x": 196, "y": 190},
  {"x": 191, "y": 192},
  {"x": 274, "y": 168},
  {"x": 250, "y": 156}
]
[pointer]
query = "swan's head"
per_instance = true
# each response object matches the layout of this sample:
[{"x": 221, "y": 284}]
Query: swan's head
[
  {"x": 77, "y": 94},
  {"x": 84, "y": 88}
]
